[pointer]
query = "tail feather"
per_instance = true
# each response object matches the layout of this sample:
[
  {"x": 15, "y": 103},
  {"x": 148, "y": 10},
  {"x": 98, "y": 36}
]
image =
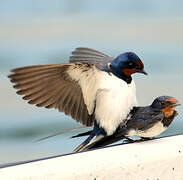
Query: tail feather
[
  {"x": 63, "y": 132},
  {"x": 89, "y": 142},
  {"x": 97, "y": 139},
  {"x": 82, "y": 134},
  {"x": 107, "y": 141}
]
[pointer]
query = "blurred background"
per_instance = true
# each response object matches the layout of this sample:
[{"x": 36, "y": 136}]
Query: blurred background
[{"x": 42, "y": 31}]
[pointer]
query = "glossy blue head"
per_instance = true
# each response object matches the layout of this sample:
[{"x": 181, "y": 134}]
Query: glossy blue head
[
  {"x": 127, "y": 64},
  {"x": 164, "y": 102},
  {"x": 166, "y": 105}
]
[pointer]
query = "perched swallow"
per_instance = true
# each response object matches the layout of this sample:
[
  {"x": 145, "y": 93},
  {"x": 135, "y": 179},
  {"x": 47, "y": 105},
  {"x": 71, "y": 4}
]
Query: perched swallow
[
  {"x": 91, "y": 87},
  {"x": 145, "y": 122}
]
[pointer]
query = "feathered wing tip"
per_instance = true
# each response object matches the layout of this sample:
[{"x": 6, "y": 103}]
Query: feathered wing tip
[
  {"x": 83, "y": 52},
  {"x": 90, "y": 56},
  {"x": 79, "y": 148},
  {"x": 89, "y": 143},
  {"x": 53, "y": 86}
]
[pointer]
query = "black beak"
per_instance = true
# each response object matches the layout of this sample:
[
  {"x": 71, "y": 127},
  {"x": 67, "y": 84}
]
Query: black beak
[
  {"x": 174, "y": 105},
  {"x": 142, "y": 71}
]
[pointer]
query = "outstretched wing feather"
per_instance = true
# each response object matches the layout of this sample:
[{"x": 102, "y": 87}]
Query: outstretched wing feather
[
  {"x": 53, "y": 86},
  {"x": 90, "y": 56}
]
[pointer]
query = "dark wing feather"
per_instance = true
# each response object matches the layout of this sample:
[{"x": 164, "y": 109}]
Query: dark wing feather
[
  {"x": 90, "y": 56},
  {"x": 51, "y": 86},
  {"x": 144, "y": 118}
]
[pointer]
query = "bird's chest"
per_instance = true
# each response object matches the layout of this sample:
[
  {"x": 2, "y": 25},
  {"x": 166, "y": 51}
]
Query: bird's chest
[
  {"x": 115, "y": 99},
  {"x": 117, "y": 93}
]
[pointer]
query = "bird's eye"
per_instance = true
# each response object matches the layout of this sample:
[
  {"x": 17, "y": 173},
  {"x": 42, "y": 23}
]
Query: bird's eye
[
  {"x": 163, "y": 103},
  {"x": 130, "y": 64}
]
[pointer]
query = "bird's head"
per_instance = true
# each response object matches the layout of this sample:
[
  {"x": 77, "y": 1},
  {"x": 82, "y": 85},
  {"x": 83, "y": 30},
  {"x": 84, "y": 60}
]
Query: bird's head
[
  {"x": 127, "y": 64},
  {"x": 166, "y": 104}
]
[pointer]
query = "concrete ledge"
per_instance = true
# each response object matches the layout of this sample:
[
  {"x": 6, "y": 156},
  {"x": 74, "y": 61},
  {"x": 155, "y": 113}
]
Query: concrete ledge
[{"x": 156, "y": 159}]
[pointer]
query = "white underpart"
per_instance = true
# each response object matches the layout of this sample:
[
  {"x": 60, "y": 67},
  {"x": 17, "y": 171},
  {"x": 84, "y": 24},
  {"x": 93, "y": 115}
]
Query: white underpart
[
  {"x": 114, "y": 98},
  {"x": 157, "y": 129}
]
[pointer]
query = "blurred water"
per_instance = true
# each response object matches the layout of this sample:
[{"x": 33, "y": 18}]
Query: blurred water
[{"x": 41, "y": 32}]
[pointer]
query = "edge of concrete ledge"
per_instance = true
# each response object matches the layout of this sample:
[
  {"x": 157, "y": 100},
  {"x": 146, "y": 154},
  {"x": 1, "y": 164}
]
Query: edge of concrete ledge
[{"x": 155, "y": 159}]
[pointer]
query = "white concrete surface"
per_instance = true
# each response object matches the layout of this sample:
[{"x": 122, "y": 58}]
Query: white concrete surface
[{"x": 160, "y": 159}]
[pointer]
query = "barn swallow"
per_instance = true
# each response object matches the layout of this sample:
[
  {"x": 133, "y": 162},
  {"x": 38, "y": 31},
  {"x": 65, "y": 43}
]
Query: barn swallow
[
  {"x": 145, "y": 122},
  {"x": 85, "y": 88}
]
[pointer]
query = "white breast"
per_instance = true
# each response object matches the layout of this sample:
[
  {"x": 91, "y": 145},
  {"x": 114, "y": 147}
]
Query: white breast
[
  {"x": 157, "y": 129},
  {"x": 115, "y": 98}
]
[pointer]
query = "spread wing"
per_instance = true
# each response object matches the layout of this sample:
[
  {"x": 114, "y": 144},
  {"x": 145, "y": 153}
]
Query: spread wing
[
  {"x": 90, "y": 56},
  {"x": 65, "y": 87}
]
